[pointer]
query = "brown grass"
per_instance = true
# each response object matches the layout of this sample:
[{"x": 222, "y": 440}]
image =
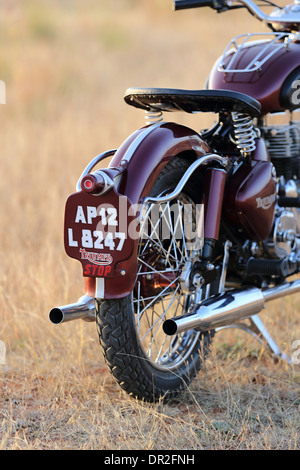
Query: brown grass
[{"x": 66, "y": 66}]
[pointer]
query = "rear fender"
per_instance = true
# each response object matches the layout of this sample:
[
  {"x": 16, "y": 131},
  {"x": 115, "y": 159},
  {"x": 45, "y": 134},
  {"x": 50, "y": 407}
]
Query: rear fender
[
  {"x": 144, "y": 154},
  {"x": 140, "y": 160}
]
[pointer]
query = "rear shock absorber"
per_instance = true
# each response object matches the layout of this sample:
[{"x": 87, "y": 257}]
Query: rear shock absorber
[{"x": 244, "y": 132}]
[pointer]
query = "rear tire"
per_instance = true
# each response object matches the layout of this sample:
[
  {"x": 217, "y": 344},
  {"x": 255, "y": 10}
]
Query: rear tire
[{"x": 146, "y": 363}]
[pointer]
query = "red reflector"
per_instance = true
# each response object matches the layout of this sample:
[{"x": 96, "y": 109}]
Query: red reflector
[
  {"x": 93, "y": 183},
  {"x": 88, "y": 184}
]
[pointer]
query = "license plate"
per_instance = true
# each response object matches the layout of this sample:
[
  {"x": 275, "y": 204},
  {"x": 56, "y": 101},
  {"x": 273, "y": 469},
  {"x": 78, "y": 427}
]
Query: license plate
[{"x": 96, "y": 232}]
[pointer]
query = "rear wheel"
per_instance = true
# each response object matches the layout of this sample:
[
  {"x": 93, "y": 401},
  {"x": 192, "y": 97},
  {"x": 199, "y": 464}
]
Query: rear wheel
[{"x": 145, "y": 361}]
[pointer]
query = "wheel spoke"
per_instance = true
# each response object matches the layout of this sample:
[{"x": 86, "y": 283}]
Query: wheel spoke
[
  {"x": 153, "y": 238},
  {"x": 155, "y": 298},
  {"x": 160, "y": 318},
  {"x": 158, "y": 259}
]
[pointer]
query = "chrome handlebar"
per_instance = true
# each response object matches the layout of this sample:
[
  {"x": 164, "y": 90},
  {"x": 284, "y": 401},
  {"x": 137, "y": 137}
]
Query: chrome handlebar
[{"x": 289, "y": 14}]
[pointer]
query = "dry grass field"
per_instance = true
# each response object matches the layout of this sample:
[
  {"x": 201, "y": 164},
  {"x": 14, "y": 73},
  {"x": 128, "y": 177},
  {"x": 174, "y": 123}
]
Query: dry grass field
[{"x": 66, "y": 65}]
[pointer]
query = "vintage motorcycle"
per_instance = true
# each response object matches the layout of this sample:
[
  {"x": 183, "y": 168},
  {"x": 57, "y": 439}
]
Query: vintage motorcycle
[{"x": 187, "y": 233}]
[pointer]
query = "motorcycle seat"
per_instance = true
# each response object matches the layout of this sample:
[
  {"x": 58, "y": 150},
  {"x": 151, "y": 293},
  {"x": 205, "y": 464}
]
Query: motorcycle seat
[{"x": 191, "y": 101}]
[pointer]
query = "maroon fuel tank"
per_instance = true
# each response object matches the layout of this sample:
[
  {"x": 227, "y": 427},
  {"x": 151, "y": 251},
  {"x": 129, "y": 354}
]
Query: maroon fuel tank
[
  {"x": 249, "y": 198},
  {"x": 271, "y": 83}
]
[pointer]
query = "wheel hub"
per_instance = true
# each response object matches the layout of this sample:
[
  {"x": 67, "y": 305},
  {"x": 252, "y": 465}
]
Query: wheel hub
[{"x": 155, "y": 277}]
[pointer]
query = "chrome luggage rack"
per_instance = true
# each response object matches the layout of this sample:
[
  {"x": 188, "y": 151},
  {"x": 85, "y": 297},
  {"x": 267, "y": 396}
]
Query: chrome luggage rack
[{"x": 273, "y": 43}]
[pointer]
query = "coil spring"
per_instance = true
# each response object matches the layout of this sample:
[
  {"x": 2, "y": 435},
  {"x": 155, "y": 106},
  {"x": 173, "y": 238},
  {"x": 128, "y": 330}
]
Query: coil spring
[
  {"x": 153, "y": 116},
  {"x": 244, "y": 132}
]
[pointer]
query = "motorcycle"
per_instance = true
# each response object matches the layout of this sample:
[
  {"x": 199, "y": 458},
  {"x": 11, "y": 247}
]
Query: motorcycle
[{"x": 186, "y": 233}]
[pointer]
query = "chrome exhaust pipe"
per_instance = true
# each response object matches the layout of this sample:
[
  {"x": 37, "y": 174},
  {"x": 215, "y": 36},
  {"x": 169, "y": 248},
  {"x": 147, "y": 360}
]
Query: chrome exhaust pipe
[
  {"x": 228, "y": 308},
  {"x": 84, "y": 309}
]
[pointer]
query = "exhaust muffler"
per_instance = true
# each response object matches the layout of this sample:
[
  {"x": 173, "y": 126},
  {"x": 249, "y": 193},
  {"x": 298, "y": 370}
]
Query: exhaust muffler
[
  {"x": 219, "y": 310},
  {"x": 83, "y": 309},
  {"x": 228, "y": 308}
]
